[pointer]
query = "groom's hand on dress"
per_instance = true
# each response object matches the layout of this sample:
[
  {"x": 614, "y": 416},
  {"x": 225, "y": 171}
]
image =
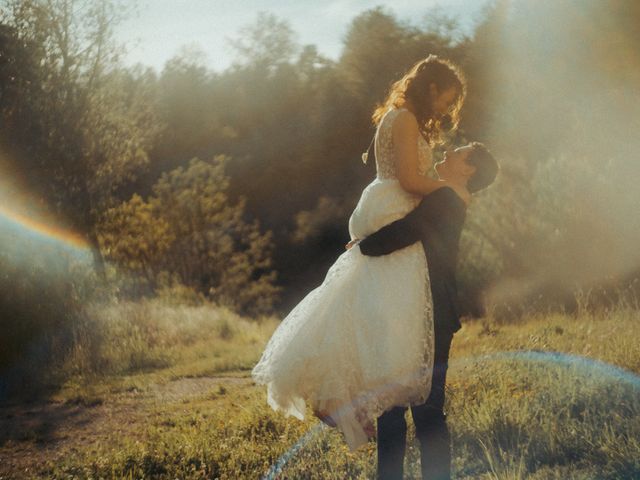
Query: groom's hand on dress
[{"x": 351, "y": 243}]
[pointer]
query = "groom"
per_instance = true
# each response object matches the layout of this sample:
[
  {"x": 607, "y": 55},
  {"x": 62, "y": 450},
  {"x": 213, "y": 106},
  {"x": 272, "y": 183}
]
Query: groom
[{"x": 437, "y": 222}]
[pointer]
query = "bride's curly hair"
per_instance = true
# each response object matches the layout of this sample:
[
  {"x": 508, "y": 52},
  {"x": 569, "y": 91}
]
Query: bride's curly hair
[{"x": 414, "y": 86}]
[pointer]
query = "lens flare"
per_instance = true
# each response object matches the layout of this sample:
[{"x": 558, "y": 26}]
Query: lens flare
[
  {"x": 27, "y": 226},
  {"x": 276, "y": 468},
  {"x": 24, "y": 217}
]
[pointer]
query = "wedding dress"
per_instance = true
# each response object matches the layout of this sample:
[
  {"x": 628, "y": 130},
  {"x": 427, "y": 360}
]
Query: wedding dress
[{"x": 361, "y": 342}]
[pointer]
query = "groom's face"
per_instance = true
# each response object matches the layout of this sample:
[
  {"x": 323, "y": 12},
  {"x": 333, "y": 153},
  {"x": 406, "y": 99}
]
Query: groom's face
[{"x": 455, "y": 167}]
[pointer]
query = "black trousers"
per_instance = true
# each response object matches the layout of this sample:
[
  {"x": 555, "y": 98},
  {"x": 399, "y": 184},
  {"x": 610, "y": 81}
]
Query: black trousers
[{"x": 430, "y": 422}]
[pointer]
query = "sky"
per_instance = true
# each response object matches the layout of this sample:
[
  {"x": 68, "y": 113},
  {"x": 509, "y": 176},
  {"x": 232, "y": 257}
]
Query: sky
[{"x": 159, "y": 29}]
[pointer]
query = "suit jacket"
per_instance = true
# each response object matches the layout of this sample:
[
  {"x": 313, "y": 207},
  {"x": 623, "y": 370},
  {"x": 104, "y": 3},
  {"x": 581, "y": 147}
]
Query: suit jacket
[{"x": 437, "y": 222}]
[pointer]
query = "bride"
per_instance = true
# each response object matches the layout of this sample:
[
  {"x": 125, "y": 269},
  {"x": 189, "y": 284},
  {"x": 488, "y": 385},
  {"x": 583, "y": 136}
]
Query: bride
[{"x": 362, "y": 342}]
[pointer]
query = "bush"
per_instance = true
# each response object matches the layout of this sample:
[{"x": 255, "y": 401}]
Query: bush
[
  {"x": 190, "y": 233},
  {"x": 42, "y": 290}
]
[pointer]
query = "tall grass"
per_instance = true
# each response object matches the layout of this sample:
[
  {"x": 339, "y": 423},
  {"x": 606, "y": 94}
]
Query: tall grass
[{"x": 128, "y": 337}]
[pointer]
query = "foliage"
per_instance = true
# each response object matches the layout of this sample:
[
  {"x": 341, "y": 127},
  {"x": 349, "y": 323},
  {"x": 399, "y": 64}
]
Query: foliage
[
  {"x": 77, "y": 124},
  {"x": 189, "y": 228},
  {"x": 378, "y": 49},
  {"x": 134, "y": 237},
  {"x": 42, "y": 291},
  {"x": 266, "y": 43}
]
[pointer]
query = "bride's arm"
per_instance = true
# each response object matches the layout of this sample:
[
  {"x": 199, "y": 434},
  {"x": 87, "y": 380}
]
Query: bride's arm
[{"x": 405, "y": 148}]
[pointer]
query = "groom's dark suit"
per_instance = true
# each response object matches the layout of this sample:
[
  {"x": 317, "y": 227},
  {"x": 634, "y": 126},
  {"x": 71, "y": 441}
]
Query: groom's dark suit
[{"x": 437, "y": 221}]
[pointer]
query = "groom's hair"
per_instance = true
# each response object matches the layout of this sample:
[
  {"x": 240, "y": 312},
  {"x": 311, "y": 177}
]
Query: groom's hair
[{"x": 486, "y": 168}]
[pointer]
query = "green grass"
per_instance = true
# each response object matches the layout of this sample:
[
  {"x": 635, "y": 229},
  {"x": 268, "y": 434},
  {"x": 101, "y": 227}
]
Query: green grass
[{"x": 168, "y": 395}]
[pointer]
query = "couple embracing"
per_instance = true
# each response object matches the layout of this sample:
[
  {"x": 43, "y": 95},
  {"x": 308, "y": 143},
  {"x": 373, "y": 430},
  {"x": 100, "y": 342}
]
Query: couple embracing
[{"x": 373, "y": 339}]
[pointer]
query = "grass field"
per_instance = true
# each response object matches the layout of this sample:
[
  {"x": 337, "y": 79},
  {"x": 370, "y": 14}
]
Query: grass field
[{"x": 171, "y": 397}]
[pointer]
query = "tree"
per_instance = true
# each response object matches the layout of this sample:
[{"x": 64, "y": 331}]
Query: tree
[
  {"x": 189, "y": 228},
  {"x": 379, "y": 49},
  {"x": 266, "y": 43},
  {"x": 136, "y": 238},
  {"x": 87, "y": 126}
]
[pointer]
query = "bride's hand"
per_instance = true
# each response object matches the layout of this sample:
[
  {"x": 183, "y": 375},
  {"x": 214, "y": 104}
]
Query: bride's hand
[{"x": 351, "y": 243}]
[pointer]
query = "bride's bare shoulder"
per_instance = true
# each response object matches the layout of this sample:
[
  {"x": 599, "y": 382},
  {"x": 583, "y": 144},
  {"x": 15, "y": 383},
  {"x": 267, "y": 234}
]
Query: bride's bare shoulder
[{"x": 405, "y": 124}]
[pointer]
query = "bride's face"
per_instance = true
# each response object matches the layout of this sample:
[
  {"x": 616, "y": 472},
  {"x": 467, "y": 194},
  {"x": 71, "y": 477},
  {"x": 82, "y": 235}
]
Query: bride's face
[{"x": 442, "y": 101}]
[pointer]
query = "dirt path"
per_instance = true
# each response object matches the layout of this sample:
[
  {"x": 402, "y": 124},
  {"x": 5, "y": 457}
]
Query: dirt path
[{"x": 34, "y": 433}]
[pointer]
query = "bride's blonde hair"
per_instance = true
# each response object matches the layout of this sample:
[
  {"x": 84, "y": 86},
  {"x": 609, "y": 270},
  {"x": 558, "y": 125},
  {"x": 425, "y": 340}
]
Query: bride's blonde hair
[{"x": 414, "y": 86}]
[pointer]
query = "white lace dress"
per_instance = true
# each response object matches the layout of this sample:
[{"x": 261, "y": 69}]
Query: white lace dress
[{"x": 361, "y": 342}]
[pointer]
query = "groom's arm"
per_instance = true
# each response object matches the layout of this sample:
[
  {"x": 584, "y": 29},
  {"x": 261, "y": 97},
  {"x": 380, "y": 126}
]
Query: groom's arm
[{"x": 410, "y": 228}]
